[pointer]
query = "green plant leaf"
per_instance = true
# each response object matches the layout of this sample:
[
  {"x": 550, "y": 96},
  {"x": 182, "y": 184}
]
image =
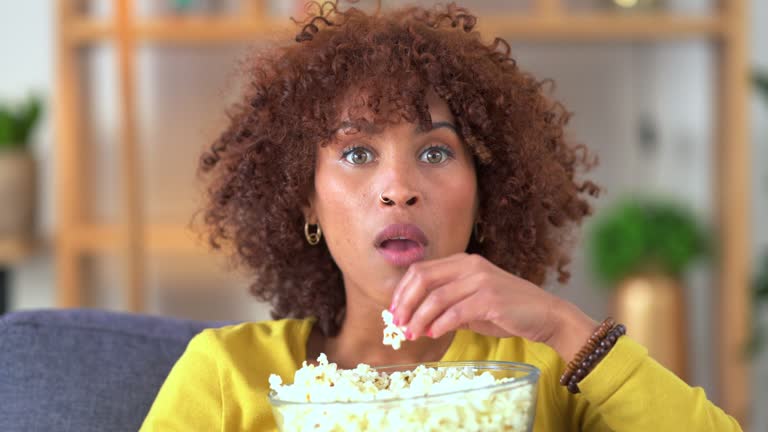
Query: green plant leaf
[
  {"x": 17, "y": 123},
  {"x": 6, "y": 128},
  {"x": 761, "y": 82},
  {"x": 644, "y": 235},
  {"x": 28, "y": 116}
]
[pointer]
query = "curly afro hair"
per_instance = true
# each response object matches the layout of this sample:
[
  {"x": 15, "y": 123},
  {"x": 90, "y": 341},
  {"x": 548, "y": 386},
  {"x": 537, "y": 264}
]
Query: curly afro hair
[{"x": 260, "y": 170}]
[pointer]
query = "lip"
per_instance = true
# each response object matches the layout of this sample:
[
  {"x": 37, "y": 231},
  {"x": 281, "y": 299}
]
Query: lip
[{"x": 406, "y": 231}]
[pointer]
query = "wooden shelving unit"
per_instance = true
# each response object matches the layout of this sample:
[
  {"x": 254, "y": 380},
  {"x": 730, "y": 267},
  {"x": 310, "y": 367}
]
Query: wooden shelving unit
[
  {"x": 13, "y": 251},
  {"x": 198, "y": 30},
  {"x": 96, "y": 239},
  {"x": 548, "y": 21}
]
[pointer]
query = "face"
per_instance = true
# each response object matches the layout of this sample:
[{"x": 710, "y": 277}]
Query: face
[{"x": 389, "y": 198}]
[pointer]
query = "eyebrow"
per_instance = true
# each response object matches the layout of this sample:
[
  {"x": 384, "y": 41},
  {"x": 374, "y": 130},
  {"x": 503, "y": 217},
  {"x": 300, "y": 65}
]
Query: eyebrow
[
  {"x": 436, "y": 125},
  {"x": 418, "y": 129}
]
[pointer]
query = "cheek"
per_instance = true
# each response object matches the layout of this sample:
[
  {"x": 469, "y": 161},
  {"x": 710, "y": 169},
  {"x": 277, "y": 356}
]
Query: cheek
[
  {"x": 337, "y": 205},
  {"x": 460, "y": 191},
  {"x": 461, "y": 202},
  {"x": 457, "y": 206}
]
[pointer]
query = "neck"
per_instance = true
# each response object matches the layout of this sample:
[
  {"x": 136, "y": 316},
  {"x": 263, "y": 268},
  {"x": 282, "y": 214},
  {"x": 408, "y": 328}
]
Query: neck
[{"x": 360, "y": 341}]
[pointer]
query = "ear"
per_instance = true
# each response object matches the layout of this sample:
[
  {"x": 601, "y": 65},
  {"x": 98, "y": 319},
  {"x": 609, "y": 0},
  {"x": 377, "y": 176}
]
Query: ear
[{"x": 308, "y": 210}]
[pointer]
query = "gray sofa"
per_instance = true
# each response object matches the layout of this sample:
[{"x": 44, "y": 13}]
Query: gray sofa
[{"x": 85, "y": 370}]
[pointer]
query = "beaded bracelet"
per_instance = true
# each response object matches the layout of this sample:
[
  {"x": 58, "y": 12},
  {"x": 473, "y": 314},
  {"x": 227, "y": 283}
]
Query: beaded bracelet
[
  {"x": 592, "y": 342},
  {"x": 601, "y": 341}
]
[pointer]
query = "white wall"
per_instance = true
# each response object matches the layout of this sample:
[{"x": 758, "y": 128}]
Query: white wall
[{"x": 27, "y": 49}]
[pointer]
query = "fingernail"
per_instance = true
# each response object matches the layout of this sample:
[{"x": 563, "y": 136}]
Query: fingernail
[
  {"x": 396, "y": 321},
  {"x": 430, "y": 334},
  {"x": 408, "y": 335},
  {"x": 392, "y": 307}
]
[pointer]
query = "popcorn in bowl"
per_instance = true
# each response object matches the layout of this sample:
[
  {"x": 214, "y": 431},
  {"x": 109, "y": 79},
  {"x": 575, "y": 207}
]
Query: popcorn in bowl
[{"x": 439, "y": 396}]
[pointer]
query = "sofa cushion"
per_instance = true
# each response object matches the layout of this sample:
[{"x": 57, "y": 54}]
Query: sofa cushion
[{"x": 85, "y": 370}]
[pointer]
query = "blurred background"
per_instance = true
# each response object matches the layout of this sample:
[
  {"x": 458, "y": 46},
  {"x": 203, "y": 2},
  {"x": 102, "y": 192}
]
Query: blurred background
[{"x": 105, "y": 106}]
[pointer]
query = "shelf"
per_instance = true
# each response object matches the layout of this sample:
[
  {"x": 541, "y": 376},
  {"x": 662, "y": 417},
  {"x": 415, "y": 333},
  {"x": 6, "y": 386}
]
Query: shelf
[
  {"x": 200, "y": 30},
  {"x": 89, "y": 30},
  {"x": 604, "y": 26},
  {"x": 13, "y": 250},
  {"x": 157, "y": 238},
  {"x": 181, "y": 30}
]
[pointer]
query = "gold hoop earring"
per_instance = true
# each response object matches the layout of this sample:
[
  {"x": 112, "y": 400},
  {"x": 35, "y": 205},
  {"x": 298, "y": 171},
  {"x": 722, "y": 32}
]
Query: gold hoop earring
[
  {"x": 313, "y": 238},
  {"x": 476, "y": 230}
]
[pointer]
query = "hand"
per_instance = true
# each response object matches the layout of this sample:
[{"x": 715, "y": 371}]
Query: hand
[{"x": 467, "y": 291}]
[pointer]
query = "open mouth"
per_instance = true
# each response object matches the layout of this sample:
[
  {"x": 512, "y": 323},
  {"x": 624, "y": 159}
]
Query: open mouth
[{"x": 401, "y": 244}]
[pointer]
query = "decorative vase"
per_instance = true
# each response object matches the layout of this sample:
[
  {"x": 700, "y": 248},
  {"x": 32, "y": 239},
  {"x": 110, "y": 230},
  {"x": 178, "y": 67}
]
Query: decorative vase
[
  {"x": 18, "y": 186},
  {"x": 653, "y": 308}
]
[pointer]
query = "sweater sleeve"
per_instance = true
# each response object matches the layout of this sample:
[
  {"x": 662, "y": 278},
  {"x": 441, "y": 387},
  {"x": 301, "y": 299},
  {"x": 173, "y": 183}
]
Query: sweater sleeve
[
  {"x": 190, "y": 398},
  {"x": 629, "y": 391}
]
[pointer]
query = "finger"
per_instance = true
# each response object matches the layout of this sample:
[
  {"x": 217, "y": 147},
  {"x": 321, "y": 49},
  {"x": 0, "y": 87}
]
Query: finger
[
  {"x": 475, "y": 307},
  {"x": 413, "y": 270},
  {"x": 438, "y": 301},
  {"x": 426, "y": 279}
]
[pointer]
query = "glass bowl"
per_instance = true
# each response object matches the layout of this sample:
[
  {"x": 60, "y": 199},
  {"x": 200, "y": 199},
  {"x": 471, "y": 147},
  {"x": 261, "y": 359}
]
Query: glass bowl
[{"x": 508, "y": 406}]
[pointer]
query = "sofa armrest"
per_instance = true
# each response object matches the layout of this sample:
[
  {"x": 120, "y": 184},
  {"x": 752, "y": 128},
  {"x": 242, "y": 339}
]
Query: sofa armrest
[{"x": 85, "y": 370}]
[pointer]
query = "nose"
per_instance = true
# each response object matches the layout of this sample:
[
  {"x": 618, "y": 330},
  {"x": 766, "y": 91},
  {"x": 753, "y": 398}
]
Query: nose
[
  {"x": 406, "y": 197},
  {"x": 399, "y": 193},
  {"x": 399, "y": 177}
]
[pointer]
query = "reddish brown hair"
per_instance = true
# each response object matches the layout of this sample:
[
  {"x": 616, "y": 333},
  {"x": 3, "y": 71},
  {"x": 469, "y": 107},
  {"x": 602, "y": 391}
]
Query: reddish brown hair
[{"x": 261, "y": 169}]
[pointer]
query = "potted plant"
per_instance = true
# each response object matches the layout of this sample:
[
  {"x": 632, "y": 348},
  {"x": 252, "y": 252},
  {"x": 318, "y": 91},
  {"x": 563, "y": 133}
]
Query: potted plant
[
  {"x": 641, "y": 249},
  {"x": 17, "y": 169}
]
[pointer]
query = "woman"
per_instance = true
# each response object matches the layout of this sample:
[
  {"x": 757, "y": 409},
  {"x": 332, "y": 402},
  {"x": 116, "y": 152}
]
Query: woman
[{"x": 395, "y": 161}]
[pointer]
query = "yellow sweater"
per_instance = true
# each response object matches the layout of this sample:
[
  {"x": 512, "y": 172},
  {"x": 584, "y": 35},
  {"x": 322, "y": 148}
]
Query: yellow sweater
[{"x": 220, "y": 383}]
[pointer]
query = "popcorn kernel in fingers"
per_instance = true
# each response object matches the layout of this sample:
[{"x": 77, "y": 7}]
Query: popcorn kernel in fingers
[{"x": 393, "y": 335}]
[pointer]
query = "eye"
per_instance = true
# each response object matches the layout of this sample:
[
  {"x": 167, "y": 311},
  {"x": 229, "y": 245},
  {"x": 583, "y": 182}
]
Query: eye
[
  {"x": 357, "y": 155},
  {"x": 436, "y": 155}
]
